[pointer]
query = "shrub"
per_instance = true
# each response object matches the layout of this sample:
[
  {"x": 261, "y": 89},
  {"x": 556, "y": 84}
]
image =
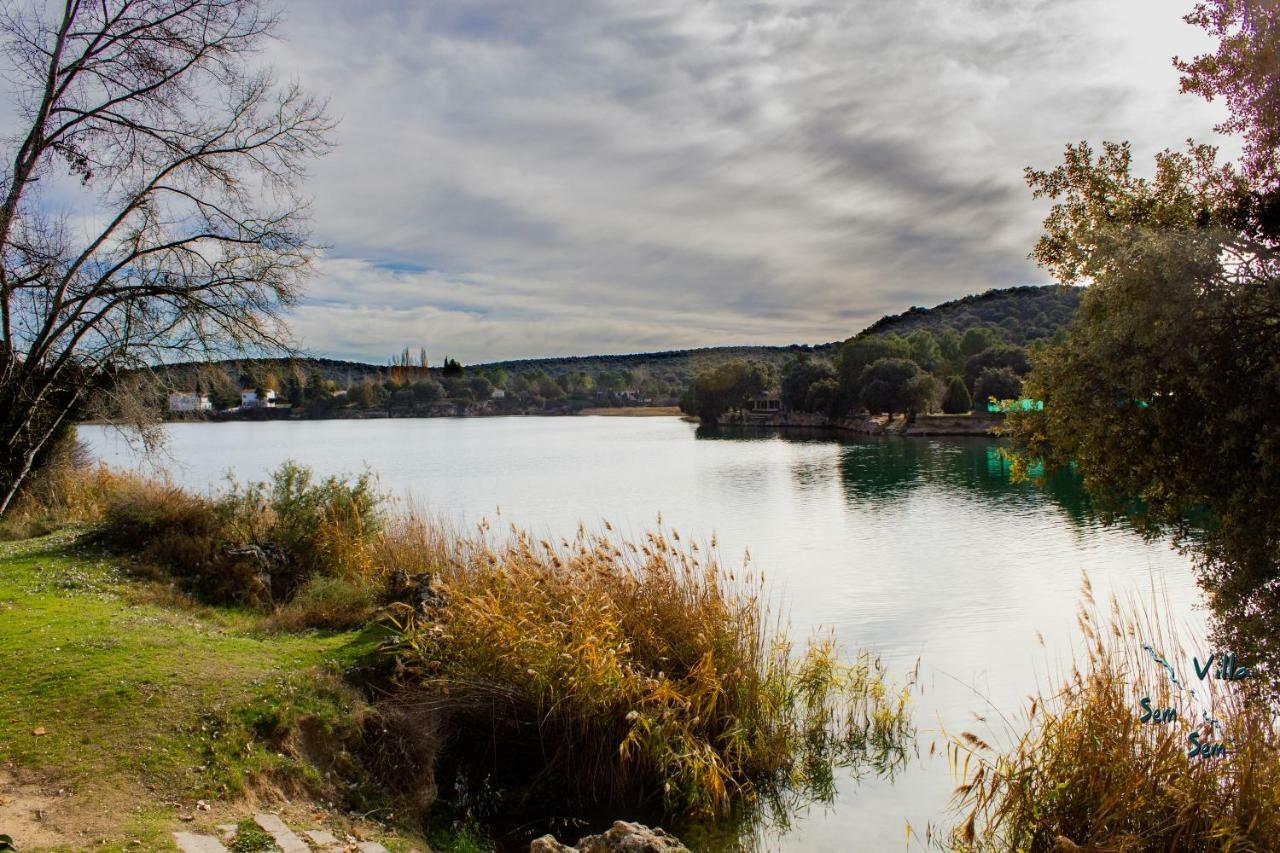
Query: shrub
[
  {"x": 258, "y": 543},
  {"x": 1087, "y": 769},
  {"x": 328, "y": 603},
  {"x": 619, "y": 673}
]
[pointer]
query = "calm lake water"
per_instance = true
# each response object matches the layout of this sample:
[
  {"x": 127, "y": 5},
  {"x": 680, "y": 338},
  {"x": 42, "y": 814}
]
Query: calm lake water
[{"x": 917, "y": 549}]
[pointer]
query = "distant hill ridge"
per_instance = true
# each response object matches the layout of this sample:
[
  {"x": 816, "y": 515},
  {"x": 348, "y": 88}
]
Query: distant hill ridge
[{"x": 1017, "y": 314}]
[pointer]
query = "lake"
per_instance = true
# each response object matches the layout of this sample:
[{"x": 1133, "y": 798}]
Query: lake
[{"x": 917, "y": 549}]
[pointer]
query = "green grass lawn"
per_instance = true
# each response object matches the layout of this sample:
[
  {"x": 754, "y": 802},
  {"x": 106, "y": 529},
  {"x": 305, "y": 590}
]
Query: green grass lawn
[{"x": 137, "y": 704}]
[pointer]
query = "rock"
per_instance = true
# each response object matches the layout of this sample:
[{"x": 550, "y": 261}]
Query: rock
[
  {"x": 190, "y": 843},
  {"x": 321, "y": 838},
  {"x": 622, "y": 837}
]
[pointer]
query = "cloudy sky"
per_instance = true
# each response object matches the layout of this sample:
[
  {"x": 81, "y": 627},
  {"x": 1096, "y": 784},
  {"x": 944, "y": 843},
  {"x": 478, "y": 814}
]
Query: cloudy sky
[{"x": 586, "y": 176}]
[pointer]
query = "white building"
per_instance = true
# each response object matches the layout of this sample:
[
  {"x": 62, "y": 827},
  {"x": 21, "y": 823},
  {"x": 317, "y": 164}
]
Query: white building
[
  {"x": 189, "y": 401},
  {"x": 498, "y": 394},
  {"x": 249, "y": 399}
]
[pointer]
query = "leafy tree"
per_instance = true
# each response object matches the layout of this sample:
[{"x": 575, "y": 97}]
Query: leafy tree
[
  {"x": 295, "y": 387},
  {"x": 798, "y": 377},
  {"x": 1167, "y": 390},
  {"x": 925, "y": 351},
  {"x": 452, "y": 367},
  {"x": 366, "y": 394},
  {"x": 186, "y": 166},
  {"x": 885, "y": 385},
  {"x": 859, "y": 353},
  {"x": 1012, "y": 357},
  {"x": 822, "y": 396},
  {"x": 923, "y": 393},
  {"x": 976, "y": 339},
  {"x": 998, "y": 382},
  {"x": 481, "y": 387},
  {"x": 1242, "y": 73},
  {"x": 725, "y": 388},
  {"x": 957, "y": 400},
  {"x": 403, "y": 398},
  {"x": 427, "y": 390},
  {"x": 949, "y": 347}
]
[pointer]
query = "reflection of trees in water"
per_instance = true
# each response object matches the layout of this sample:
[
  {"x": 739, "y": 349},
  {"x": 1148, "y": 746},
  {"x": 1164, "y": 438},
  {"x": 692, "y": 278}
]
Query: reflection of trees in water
[{"x": 881, "y": 471}]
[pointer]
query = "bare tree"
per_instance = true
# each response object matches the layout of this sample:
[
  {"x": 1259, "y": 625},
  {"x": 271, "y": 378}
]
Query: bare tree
[{"x": 151, "y": 208}]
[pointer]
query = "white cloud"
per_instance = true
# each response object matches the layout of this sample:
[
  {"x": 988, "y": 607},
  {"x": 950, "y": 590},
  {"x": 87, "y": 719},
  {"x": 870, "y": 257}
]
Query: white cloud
[{"x": 605, "y": 176}]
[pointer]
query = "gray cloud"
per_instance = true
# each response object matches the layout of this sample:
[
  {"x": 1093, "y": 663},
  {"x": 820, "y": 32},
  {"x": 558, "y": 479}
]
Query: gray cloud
[{"x": 576, "y": 176}]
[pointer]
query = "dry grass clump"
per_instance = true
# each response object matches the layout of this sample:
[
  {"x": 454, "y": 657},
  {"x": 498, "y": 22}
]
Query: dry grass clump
[
  {"x": 613, "y": 672},
  {"x": 1088, "y": 772},
  {"x": 69, "y": 489}
]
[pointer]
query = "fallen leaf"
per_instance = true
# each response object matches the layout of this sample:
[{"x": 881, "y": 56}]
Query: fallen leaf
[{"x": 38, "y": 731}]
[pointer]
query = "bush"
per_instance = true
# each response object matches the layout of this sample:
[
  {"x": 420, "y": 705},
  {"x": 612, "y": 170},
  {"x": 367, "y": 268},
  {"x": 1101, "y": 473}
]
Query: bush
[
  {"x": 328, "y": 603},
  {"x": 1088, "y": 770},
  {"x": 620, "y": 673},
  {"x": 258, "y": 543}
]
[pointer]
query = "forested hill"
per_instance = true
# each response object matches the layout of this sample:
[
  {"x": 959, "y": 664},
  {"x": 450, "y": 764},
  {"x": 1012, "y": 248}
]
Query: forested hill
[{"x": 1017, "y": 314}]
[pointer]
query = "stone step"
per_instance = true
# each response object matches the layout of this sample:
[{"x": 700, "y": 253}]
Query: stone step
[
  {"x": 281, "y": 834},
  {"x": 322, "y": 838},
  {"x": 371, "y": 847},
  {"x": 189, "y": 842}
]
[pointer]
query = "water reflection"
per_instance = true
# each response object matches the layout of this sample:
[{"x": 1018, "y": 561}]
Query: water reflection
[{"x": 878, "y": 471}]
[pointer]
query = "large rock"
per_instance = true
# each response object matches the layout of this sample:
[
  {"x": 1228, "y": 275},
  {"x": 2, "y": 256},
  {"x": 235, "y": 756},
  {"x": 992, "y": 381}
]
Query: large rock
[{"x": 622, "y": 837}]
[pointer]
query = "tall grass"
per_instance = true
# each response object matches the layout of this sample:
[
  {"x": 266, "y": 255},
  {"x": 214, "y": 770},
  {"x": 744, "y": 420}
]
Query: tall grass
[
  {"x": 631, "y": 672},
  {"x": 532, "y": 675},
  {"x": 1087, "y": 772}
]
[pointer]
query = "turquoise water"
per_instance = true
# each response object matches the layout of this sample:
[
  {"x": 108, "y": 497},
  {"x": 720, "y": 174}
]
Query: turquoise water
[{"x": 918, "y": 549}]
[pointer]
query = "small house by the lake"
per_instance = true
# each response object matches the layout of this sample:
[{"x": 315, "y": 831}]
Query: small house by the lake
[
  {"x": 251, "y": 399},
  {"x": 189, "y": 401}
]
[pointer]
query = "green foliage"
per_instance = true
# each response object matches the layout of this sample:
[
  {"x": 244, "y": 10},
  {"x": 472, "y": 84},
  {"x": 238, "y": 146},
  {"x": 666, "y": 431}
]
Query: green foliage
[
  {"x": 957, "y": 400},
  {"x": 1166, "y": 394},
  {"x": 725, "y": 388},
  {"x": 140, "y": 690},
  {"x": 999, "y": 383},
  {"x": 925, "y": 351},
  {"x": 452, "y": 367},
  {"x": 6, "y": 844},
  {"x": 798, "y": 379},
  {"x": 823, "y": 396},
  {"x": 1012, "y": 315},
  {"x": 1000, "y": 356},
  {"x": 886, "y": 385},
  {"x": 975, "y": 340},
  {"x": 427, "y": 391}
]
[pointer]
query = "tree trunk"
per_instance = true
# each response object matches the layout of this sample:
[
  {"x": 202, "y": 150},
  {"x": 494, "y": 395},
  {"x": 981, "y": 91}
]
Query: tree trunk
[{"x": 25, "y": 437}]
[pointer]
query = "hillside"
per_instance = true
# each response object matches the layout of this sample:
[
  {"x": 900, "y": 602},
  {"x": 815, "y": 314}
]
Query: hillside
[{"x": 1017, "y": 314}]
